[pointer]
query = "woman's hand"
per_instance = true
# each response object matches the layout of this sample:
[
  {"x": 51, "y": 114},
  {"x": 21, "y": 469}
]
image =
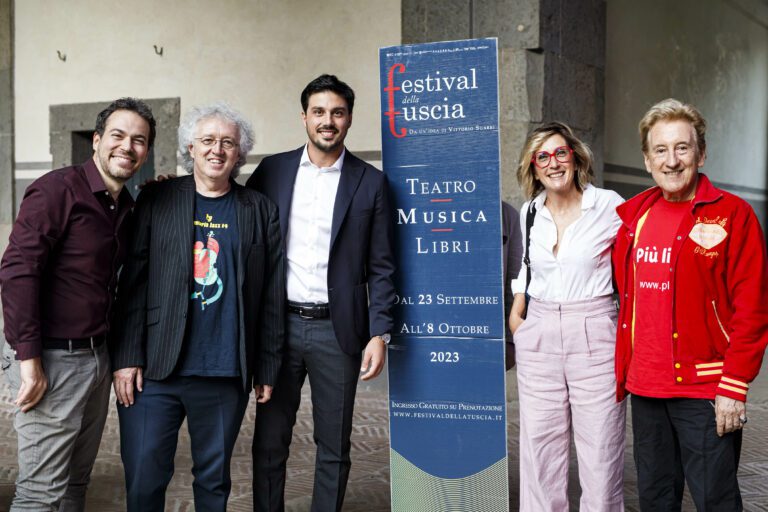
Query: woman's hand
[{"x": 516, "y": 314}]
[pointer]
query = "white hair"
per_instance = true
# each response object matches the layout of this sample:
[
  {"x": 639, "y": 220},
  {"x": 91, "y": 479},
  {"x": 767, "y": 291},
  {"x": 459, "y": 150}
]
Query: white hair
[{"x": 219, "y": 110}]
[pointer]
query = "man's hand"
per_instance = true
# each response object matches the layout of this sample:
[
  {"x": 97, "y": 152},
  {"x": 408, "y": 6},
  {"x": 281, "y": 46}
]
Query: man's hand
[
  {"x": 156, "y": 179},
  {"x": 373, "y": 358},
  {"x": 123, "y": 381},
  {"x": 263, "y": 393},
  {"x": 728, "y": 414},
  {"x": 34, "y": 383}
]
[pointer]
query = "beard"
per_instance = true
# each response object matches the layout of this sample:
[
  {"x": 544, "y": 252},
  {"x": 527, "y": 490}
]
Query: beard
[
  {"x": 326, "y": 146},
  {"x": 115, "y": 171}
]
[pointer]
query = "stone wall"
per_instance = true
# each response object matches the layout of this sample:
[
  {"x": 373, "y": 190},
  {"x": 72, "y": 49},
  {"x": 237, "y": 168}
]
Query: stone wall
[
  {"x": 74, "y": 117},
  {"x": 551, "y": 64},
  {"x": 6, "y": 121},
  {"x": 712, "y": 54}
]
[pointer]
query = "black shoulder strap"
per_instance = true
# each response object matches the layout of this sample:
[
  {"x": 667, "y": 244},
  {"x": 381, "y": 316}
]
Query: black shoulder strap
[{"x": 526, "y": 259}]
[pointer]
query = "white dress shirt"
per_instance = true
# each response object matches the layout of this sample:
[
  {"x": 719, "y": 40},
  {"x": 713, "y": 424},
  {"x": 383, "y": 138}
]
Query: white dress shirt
[
  {"x": 582, "y": 267},
  {"x": 309, "y": 230}
]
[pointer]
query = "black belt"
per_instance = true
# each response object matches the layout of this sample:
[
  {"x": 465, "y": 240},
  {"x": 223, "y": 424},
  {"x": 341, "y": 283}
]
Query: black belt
[
  {"x": 309, "y": 311},
  {"x": 73, "y": 343}
]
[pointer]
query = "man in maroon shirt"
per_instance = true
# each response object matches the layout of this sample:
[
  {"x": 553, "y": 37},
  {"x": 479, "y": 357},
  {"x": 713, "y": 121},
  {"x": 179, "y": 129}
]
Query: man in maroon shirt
[{"x": 58, "y": 279}]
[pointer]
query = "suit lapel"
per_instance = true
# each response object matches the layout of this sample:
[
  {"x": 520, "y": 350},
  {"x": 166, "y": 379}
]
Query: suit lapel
[
  {"x": 351, "y": 174},
  {"x": 182, "y": 227},
  {"x": 287, "y": 178},
  {"x": 245, "y": 228}
]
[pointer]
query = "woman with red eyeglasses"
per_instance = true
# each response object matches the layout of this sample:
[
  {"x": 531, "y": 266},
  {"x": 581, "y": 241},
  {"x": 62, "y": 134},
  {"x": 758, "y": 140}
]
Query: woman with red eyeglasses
[{"x": 565, "y": 340}]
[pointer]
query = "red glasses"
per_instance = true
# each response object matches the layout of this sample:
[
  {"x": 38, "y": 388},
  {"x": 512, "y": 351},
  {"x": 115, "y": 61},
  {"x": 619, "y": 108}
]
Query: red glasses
[{"x": 542, "y": 159}]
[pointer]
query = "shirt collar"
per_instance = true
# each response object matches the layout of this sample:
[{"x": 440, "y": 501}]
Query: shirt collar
[
  {"x": 306, "y": 162},
  {"x": 588, "y": 197},
  {"x": 98, "y": 187},
  {"x": 92, "y": 174}
]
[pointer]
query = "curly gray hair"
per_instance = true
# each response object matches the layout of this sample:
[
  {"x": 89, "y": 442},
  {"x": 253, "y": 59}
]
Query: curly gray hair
[{"x": 219, "y": 110}]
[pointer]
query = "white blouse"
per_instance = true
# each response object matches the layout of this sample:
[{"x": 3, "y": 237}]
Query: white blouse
[{"x": 582, "y": 267}]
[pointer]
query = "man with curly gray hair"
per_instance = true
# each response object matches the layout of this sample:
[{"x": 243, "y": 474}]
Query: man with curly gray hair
[
  {"x": 200, "y": 313},
  {"x": 222, "y": 111}
]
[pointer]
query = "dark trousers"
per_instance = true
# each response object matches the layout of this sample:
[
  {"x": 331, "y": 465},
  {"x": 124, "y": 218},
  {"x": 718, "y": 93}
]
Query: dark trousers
[
  {"x": 675, "y": 441},
  {"x": 149, "y": 430},
  {"x": 311, "y": 350}
]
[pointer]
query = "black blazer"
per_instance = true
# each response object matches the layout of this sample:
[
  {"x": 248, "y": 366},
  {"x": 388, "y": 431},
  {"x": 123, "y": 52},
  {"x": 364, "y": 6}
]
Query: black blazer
[
  {"x": 361, "y": 262},
  {"x": 157, "y": 280}
]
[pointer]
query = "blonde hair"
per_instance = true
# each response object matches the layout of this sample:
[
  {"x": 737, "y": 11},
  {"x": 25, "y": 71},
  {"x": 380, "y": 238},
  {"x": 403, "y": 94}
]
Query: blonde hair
[
  {"x": 582, "y": 158},
  {"x": 673, "y": 110}
]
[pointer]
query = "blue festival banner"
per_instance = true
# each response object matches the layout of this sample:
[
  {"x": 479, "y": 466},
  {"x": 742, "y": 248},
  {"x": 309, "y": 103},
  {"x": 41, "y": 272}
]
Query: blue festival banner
[{"x": 440, "y": 146}]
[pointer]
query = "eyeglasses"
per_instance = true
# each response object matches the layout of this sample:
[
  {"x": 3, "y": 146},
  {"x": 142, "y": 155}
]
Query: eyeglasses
[
  {"x": 210, "y": 141},
  {"x": 542, "y": 159}
]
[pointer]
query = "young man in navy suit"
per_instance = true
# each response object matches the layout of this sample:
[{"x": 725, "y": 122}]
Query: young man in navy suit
[{"x": 336, "y": 222}]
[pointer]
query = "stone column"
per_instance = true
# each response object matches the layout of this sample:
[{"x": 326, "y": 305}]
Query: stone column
[
  {"x": 551, "y": 64},
  {"x": 6, "y": 130},
  {"x": 6, "y": 122}
]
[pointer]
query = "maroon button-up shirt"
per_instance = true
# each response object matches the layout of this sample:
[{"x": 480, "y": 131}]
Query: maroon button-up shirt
[{"x": 59, "y": 273}]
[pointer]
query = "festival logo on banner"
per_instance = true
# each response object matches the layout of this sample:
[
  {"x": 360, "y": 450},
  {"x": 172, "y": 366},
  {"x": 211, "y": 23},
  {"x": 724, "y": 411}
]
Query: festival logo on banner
[{"x": 440, "y": 146}]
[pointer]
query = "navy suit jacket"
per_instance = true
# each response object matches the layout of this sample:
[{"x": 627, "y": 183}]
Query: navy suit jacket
[
  {"x": 361, "y": 262},
  {"x": 156, "y": 283}
]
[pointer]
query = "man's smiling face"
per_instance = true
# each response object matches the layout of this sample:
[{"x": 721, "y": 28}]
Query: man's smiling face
[
  {"x": 673, "y": 158},
  {"x": 327, "y": 121},
  {"x": 123, "y": 147}
]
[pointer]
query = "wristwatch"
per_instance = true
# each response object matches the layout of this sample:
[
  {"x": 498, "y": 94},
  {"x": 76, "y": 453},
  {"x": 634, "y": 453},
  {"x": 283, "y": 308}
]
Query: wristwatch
[{"x": 386, "y": 338}]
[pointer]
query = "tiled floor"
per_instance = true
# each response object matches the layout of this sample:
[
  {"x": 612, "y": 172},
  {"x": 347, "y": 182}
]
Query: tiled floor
[{"x": 368, "y": 489}]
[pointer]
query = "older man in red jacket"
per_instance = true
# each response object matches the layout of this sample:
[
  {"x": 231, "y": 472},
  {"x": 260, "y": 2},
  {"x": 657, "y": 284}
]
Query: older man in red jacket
[{"x": 690, "y": 264}]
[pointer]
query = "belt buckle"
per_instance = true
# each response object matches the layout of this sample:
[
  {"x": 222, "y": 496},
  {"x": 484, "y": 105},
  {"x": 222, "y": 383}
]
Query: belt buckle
[{"x": 302, "y": 315}]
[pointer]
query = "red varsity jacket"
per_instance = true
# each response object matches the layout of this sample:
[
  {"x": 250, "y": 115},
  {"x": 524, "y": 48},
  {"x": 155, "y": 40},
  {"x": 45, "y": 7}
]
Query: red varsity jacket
[{"x": 720, "y": 291}]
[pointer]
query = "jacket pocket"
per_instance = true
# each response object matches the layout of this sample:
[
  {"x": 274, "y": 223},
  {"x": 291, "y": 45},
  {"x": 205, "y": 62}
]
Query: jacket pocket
[
  {"x": 349, "y": 304},
  {"x": 708, "y": 371},
  {"x": 153, "y": 315},
  {"x": 720, "y": 323}
]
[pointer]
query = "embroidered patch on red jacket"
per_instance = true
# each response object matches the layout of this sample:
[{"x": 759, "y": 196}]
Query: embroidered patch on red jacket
[{"x": 708, "y": 235}]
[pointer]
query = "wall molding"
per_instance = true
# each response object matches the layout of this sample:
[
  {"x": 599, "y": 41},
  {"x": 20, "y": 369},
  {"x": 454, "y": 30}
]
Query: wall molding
[{"x": 634, "y": 176}]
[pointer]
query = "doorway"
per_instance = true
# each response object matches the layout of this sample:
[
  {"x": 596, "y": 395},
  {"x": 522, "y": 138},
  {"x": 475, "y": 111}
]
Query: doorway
[
  {"x": 72, "y": 127},
  {"x": 82, "y": 150}
]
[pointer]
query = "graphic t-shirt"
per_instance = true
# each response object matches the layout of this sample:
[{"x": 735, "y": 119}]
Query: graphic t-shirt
[
  {"x": 651, "y": 369},
  {"x": 211, "y": 339}
]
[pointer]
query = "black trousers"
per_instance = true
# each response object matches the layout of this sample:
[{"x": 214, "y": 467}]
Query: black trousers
[
  {"x": 149, "y": 430},
  {"x": 676, "y": 441},
  {"x": 312, "y": 350}
]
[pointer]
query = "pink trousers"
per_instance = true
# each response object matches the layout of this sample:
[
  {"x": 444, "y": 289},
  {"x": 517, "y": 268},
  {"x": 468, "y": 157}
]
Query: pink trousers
[{"x": 566, "y": 383}]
